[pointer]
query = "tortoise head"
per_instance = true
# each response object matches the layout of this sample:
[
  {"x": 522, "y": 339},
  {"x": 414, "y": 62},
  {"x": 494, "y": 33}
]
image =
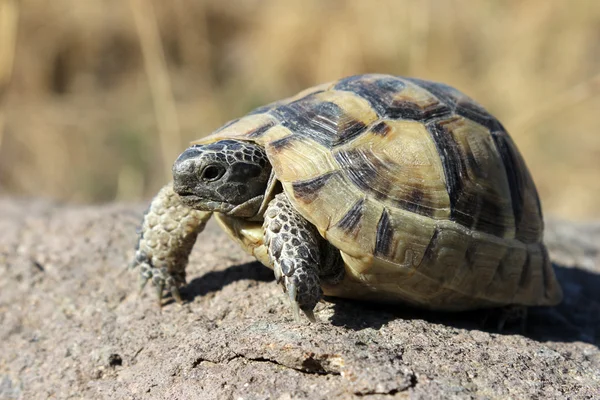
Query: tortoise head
[{"x": 228, "y": 176}]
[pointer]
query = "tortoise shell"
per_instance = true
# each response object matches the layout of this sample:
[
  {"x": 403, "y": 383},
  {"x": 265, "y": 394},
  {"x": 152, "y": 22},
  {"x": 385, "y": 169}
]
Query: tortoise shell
[{"x": 423, "y": 192}]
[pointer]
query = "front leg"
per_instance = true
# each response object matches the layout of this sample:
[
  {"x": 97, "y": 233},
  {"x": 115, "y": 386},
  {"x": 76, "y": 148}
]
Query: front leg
[
  {"x": 166, "y": 238},
  {"x": 293, "y": 246}
]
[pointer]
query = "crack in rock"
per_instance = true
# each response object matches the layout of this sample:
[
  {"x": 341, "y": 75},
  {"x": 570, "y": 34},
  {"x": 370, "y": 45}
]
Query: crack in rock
[
  {"x": 313, "y": 366},
  {"x": 310, "y": 365}
]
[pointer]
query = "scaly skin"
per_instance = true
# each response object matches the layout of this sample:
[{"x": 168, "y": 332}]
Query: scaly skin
[
  {"x": 297, "y": 255},
  {"x": 166, "y": 238}
]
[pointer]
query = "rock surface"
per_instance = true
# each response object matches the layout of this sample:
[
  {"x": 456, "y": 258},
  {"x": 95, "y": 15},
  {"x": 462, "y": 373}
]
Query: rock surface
[{"x": 73, "y": 326}]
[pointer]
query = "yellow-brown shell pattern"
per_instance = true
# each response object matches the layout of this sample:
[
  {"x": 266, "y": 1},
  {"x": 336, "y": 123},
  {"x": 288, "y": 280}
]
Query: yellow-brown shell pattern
[{"x": 422, "y": 190}]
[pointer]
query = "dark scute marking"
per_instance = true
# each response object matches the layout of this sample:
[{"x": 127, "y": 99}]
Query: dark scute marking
[
  {"x": 411, "y": 111},
  {"x": 359, "y": 169},
  {"x": 414, "y": 200},
  {"x": 309, "y": 189},
  {"x": 466, "y": 207},
  {"x": 466, "y": 211},
  {"x": 390, "y": 84},
  {"x": 361, "y": 82},
  {"x": 416, "y": 195},
  {"x": 516, "y": 181},
  {"x": 477, "y": 114},
  {"x": 379, "y": 92},
  {"x": 525, "y": 271},
  {"x": 471, "y": 256},
  {"x": 351, "y": 219},
  {"x": 546, "y": 270},
  {"x": 430, "y": 251},
  {"x": 349, "y": 82},
  {"x": 283, "y": 143},
  {"x": 454, "y": 167},
  {"x": 311, "y": 117},
  {"x": 365, "y": 172},
  {"x": 474, "y": 164},
  {"x": 489, "y": 220},
  {"x": 444, "y": 93},
  {"x": 385, "y": 235},
  {"x": 258, "y": 132},
  {"x": 350, "y": 131},
  {"x": 381, "y": 128}
]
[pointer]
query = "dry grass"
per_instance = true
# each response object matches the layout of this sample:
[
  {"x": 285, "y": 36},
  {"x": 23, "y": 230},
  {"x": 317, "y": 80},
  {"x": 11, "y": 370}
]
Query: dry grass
[
  {"x": 104, "y": 95},
  {"x": 8, "y": 37}
]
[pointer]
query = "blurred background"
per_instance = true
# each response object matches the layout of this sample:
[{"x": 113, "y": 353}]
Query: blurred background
[{"x": 98, "y": 97}]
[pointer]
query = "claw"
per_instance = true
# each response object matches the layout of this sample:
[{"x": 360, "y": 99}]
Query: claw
[
  {"x": 512, "y": 313},
  {"x": 277, "y": 271},
  {"x": 310, "y": 315},
  {"x": 292, "y": 295},
  {"x": 176, "y": 295},
  {"x": 159, "y": 293}
]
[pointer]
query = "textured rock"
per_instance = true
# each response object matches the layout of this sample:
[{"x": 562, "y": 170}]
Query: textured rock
[{"x": 73, "y": 325}]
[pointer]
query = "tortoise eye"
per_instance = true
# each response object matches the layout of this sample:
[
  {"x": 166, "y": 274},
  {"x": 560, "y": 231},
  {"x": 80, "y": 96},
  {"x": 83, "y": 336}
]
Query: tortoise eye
[{"x": 211, "y": 173}]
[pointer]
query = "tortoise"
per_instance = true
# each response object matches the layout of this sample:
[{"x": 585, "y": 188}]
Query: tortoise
[{"x": 371, "y": 187}]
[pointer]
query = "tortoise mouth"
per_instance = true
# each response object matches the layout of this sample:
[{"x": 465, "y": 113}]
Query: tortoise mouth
[{"x": 202, "y": 204}]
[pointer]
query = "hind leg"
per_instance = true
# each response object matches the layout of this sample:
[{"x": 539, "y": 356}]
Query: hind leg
[
  {"x": 298, "y": 255},
  {"x": 499, "y": 317}
]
